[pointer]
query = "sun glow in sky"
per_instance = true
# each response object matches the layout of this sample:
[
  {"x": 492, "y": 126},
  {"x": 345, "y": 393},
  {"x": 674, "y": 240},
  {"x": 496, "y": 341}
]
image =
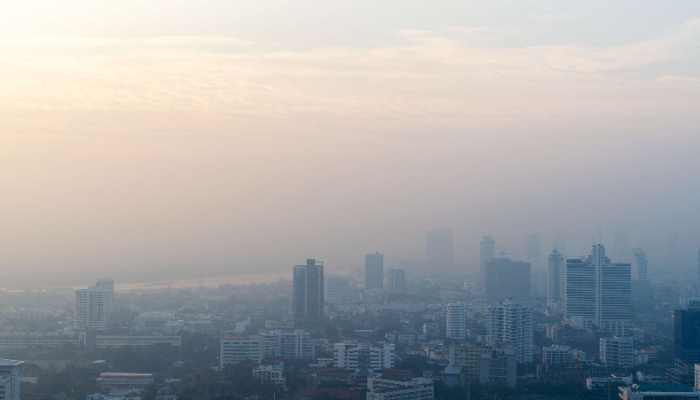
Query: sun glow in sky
[{"x": 164, "y": 135}]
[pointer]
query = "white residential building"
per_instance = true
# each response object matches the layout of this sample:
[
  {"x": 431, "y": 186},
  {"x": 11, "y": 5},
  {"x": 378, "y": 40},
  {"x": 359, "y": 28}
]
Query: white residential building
[
  {"x": 386, "y": 389},
  {"x": 381, "y": 355},
  {"x": 9, "y": 379},
  {"x": 346, "y": 355},
  {"x": 456, "y": 321},
  {"x": 512, "y": 322},
  {"x": 598, "y": 292},
  {"x": 237, "y": 349},
  {"x": 92, "y": 309},
  {"x": 617, "y": 352},
  {"x": 295, "y": 344}
]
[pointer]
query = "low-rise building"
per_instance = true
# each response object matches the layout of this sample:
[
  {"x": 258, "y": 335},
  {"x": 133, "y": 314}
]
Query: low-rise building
[
  {"x": 386, "y": 389},
  {"x": 272, "y": 372},
  {"x": 658, "y": 392},
  {"x": 104, "y": 341},
  {"x": 110, "y": 381}
]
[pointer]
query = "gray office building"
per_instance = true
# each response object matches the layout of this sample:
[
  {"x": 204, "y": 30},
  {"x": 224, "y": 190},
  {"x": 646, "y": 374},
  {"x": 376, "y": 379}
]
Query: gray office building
[
  {"x": 506, "y": 279},
  {"x": 307, "y": 301},
  {"x": 374, "y": 271}
]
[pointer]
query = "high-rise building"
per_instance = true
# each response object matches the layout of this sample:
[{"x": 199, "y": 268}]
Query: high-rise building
[
  {"x": 534, "y": 256},
  {"x": 598, "y": 292},
  {"x": 285, "y": 344},
  {"x": 381, "y": 355},
  {"x": 512, "y": 322},
  {"x": 456, "y": 321},
  {"x": 91, "y": 311},
  {"x": 621, "y": 247},
  {"x": 686, "y": 334},
  {"x": 699, "y": 271},
  {"x": 107, "y": 283},
  {"x": 487, "y": 252},
  {"x": 346, "y": 355},
  {"x": 438, "y": 248},
  {"x": 639, "y": 265},
  {"x": 374, "y": 271},
  {"x": 338, "y": 290},
  {"x": 555, "y": 281},
  {"x": 236, "y": 349},
  {"x": 396, "y": 282},
  {"x": 307, "y": 301},
  {"x": 506, "y": 279},
  {"x": 616, "y": 352},
  {"x": 9, "y": 379}
]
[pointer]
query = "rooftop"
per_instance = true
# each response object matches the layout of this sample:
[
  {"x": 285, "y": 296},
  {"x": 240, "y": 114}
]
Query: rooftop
[{"x": 10, "y": 363}]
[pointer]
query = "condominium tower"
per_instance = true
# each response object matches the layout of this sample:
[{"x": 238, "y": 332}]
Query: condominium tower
[
  {"x": 91, "y": 311},
  {"x": 512, "y": 322}
]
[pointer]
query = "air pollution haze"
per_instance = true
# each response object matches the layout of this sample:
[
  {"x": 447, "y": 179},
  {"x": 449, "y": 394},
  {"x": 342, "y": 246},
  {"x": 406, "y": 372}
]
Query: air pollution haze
[{"x": 187, "y": 139}]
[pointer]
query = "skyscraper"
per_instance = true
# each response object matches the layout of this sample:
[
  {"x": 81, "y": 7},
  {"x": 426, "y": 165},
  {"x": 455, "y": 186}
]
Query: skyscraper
[
  {"x": 91, "y": 309},
  {"x": 374, "y": 271},
  {"x": 456, "y": 327},
  {"x": 487, "y": 251},
  {"x": 639, "y": 265},
  {"x": 512, "y": 322},
  {"x": 396, "y": 282},
  {"x": 506, "y": 279},
  {"x": 555, "y": 281},
  {"x": 438, "y": 248},
  {"x": 533, "y": 250},
  {"x": 307, "y": 302},
  {"x": 598, "y": 292},
  {"x": 686, "y": 334}
]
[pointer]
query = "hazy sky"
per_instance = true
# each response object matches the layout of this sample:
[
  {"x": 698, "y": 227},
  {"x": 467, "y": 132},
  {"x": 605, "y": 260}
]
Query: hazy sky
[{"x": 163, "y": 135}]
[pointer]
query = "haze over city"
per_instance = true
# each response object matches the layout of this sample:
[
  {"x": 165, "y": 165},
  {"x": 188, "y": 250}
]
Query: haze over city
[{"x": 183, "y": 139}]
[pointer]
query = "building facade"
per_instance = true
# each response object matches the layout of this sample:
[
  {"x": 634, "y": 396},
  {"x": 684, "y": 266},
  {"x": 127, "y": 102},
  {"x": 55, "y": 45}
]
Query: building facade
[
  {"x": 456, "y": 327},
  {"x": 510, "y": 322},
  {"x": 386, "y": 389},
  {"x": 382, "y": 355},
  {"x": 338, "y": 290},
  {"x": 346, "y": 355},
  {"x": 555, "y": 279},
  {"x": 396, "y": 281},
  {"x": 598, "y": 293},
  {"x": 286, "y": 344},
  {"x": 307, "y": 301},
  {"x": 236, "y": 349},
  {"x": 10, "y": 379},
  {"x": 92, "y": 309},
  {"x": 506, "y": 279},
  {"x": 487, "y": 252},
  {"x": 639, "y": 265},
  {"x": 617, "y": 352},
  {"x": 374, "y": 271}
]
